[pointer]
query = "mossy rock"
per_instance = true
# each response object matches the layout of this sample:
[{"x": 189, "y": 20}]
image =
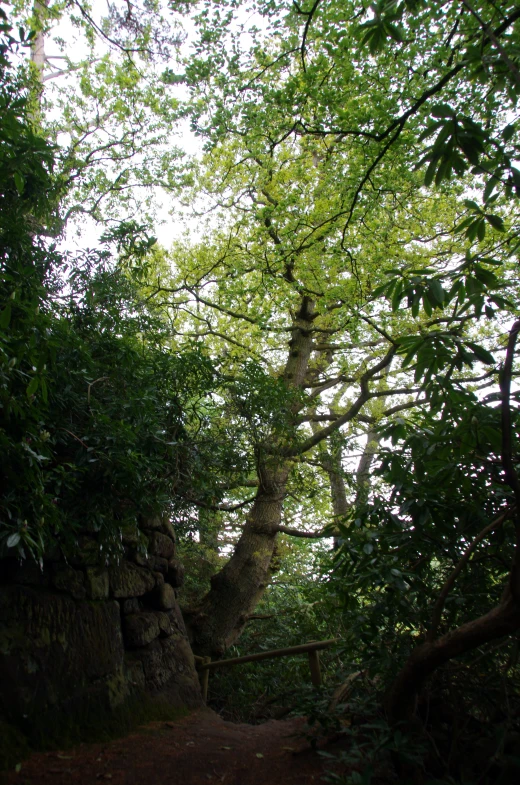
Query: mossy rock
[
  {"x": 54, "y": 651},
  {"x": 128, "y": 580}
]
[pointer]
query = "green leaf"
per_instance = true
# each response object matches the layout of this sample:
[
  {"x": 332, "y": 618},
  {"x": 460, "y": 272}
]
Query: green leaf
[
  {"x": 397, "y": 296},
  {"x": 427, "y": 304},
  {"x": 19, "y": 182},
  {"x": 415, "y": 304},
  {"x": 482, "y": 354},
  {"x": 486, "y": 276},
  {"x": 5, "y": 316},
  {"x": 394, "y": 32},
  {"x": 463, "y": 224},
  {"x": 13, "y": 540},
  {"x": 515, "y": 174},
  {"x": 436, "y": 293},
  {"x": 495, "y": 221},
  {"x": 32, "y": 386},
  {"x": 410, "y": 355},
  {"x": 430, "y": 172},
  {"x": 379, "y": 290},
  {"x": 442, "y": 110},
  {"x": 443, "y": 172},
  {"x": 430, "y": 130},
  {"x": 490, "y": 187},
  {"x": 472, "y": 230}
]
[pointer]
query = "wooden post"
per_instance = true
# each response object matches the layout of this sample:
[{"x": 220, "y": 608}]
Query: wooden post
[
  {"x": 314, "y": 664},
  {"x": 204, "y": 679}
]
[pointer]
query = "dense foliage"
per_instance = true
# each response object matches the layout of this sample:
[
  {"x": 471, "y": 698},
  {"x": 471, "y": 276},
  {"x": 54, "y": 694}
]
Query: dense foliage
[
  {"x": 332, "y": 360},
  {"x": 95, "y": 405}
]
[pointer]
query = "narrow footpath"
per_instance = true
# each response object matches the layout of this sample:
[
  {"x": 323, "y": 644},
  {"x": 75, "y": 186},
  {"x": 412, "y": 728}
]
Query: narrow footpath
[{"x": 201, "y": 749}]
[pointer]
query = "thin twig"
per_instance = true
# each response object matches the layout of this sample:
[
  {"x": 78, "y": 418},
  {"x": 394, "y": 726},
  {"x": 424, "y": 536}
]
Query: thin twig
[
  {"x": 101, "y": 379},
  {"x": 75, "y": 437}
]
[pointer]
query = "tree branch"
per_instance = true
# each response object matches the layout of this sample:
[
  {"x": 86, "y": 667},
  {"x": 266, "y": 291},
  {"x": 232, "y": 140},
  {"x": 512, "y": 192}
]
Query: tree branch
[
  {"x": 511, "y": 477},
  {"x": 309, "y": 15},
  {"x": 448, "y": 585},
  {"x": 308, "y": 535},
  {"x": 496, "y": 43},
  {"x": 219, "y": 507},
  {"x": 363, "y": 397}
]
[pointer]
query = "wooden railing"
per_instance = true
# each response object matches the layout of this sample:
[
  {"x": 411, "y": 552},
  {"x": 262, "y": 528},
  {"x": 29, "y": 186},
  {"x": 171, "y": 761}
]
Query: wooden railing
[{"x": 204, "y": 664}]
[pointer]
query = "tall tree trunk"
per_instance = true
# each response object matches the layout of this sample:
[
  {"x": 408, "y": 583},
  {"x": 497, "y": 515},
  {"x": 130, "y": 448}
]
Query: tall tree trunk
[
  {"x": 237, "y": 588},
  {"x": 331, "y": 462},
  {"x": 364, "y": 466},
  {"x": 38, "y": 42}
]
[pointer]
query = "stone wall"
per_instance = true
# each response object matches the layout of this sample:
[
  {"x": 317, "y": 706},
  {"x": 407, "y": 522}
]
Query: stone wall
[{"x": 76, "y": 636}]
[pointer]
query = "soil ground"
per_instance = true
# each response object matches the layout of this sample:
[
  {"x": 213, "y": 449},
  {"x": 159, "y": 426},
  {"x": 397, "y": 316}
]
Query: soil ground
[{"x": 201, "y": 749}]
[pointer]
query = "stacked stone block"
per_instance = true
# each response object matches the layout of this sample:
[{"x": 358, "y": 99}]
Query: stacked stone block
[{"x": 76, "y": 632}]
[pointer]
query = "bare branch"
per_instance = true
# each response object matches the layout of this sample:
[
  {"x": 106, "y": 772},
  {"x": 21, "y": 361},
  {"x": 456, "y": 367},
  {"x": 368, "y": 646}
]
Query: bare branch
[
  {"x": 307, "y": 535},
  {"x": 352, "y": 411},
  {"x": 219, "y": 507},
  {"x": 448, "y": 585},
  {"x": 309, "y": 15}
]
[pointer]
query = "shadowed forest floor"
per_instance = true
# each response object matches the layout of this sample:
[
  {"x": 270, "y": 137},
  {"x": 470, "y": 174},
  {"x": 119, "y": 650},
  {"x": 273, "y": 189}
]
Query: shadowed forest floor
[{"x": 196, "y": 750}]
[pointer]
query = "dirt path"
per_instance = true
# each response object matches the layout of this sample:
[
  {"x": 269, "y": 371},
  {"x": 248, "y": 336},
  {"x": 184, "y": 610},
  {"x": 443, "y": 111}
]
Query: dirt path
[{"x": 201, "y": 749}]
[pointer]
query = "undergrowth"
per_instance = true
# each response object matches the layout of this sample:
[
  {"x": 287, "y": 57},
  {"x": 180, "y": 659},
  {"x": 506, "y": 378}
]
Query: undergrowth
[{"x": 57, "y": 730}]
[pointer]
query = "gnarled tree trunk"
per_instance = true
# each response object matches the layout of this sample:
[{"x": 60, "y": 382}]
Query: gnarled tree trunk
[{"x": 238, "y": 587}]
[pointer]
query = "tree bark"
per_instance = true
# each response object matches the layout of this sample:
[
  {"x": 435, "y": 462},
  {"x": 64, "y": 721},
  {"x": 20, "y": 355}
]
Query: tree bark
[
  {"x": 364, "y": 466},
  {"x": 38, "y": 56},
  {"x": 238, "y": 587}
]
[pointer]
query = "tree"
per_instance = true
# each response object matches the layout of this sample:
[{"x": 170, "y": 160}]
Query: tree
[
  {"x": 103, "y": 93},
  {"x": 266, "y": 287},
  {"x": 310, "y": 178}
]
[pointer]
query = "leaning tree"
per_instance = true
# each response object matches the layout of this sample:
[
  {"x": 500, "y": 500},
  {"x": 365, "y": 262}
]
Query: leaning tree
[{"x": 332, "y": 275}]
